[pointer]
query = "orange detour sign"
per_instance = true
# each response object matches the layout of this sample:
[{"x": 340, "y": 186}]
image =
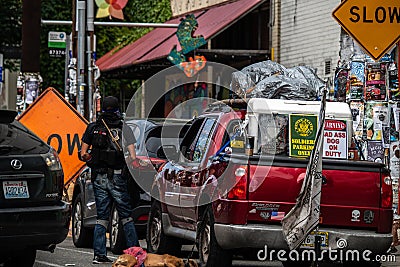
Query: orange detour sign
[
  {"x": 58, "y": 123},
  {"x": 374, "y": 24}
]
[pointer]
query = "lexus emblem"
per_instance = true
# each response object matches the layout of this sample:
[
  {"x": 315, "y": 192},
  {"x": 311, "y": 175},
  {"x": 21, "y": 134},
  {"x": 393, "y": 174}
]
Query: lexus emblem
[{"x": 16, "y": 164}]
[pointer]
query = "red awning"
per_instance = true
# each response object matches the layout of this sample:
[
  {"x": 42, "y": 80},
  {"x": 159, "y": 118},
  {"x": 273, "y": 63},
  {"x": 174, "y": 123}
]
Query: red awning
[{"x": 159, "y": 42}]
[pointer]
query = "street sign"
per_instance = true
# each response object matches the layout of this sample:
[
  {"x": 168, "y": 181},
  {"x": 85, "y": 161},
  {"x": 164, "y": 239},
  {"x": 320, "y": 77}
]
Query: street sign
[
  {"x": 56, "y": 52},
  {"x": 57, "y": 44},
  {"x": 55, "y": 121},
  {"x": 374, "y": 24},
  {"x": 57, "y": 40}
]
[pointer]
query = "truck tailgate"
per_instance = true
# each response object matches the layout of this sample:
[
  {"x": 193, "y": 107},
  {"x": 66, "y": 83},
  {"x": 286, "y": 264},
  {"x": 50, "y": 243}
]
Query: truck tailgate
[{"x": 350, "y": 194}]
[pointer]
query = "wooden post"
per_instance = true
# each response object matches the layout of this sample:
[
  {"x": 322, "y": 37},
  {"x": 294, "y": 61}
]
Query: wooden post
[{"x": 31, "y": 16}]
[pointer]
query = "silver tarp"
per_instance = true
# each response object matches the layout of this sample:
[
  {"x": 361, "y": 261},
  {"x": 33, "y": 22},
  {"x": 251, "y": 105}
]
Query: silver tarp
[{"x": 271, "y": 80}]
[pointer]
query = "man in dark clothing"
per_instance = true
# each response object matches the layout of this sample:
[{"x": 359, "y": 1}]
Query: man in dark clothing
[{"x": 106, "y": 160}]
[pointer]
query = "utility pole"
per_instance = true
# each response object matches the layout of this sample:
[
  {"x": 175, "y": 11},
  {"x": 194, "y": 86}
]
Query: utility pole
[
  {"x": 81, "y": 28},
  {"x": 90, "y": 58},
  {"x": 30, "y": 63}
]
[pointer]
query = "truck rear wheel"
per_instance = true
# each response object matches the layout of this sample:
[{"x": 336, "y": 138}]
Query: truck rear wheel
[
  {"x": 210, "y": 253},
  {"x": 157, "y": 241}
]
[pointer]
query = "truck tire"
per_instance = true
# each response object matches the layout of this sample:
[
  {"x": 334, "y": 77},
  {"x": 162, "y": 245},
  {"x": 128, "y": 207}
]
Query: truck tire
[
  {"x": 81, "y": 235},
  {"x": 117, "y": 235},
  {"x": 157, "y": 241},
  {"x": 210, "y": 253}
]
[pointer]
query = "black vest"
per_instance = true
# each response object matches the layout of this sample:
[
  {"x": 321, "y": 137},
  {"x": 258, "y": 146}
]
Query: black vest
[{"x": 107, "y": 153}]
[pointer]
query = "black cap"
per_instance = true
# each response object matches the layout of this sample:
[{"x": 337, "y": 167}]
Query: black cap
[{"x": 110, "y": 103}]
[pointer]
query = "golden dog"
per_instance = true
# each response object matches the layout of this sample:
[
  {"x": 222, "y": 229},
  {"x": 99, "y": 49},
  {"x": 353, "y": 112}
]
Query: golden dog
[
  {"x": 152, "y": 260},
  {"x": 125, "y": 260}
]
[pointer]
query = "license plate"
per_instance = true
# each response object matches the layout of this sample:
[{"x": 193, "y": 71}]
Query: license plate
[
  {"x": 15, "y": 189},
  {"x": 309, "y": 242}
]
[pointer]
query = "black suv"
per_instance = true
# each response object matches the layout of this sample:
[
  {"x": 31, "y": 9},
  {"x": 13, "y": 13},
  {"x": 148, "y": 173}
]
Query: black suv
[
  {"x": 150, "y": 134},
  {"x": 33, "y": 214}
]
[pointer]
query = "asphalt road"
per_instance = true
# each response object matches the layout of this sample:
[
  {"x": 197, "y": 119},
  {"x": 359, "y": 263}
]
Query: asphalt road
[{"x": 66, "y": 254}]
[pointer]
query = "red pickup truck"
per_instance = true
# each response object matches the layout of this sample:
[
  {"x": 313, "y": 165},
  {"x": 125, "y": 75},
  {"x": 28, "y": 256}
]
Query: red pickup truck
[{"x": 226, "y": 201}]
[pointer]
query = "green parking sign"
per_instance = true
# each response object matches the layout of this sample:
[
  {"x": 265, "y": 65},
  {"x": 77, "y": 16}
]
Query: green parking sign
[
  {"x": 57, "y": 40},
  {"x": 303, "y": 129}
]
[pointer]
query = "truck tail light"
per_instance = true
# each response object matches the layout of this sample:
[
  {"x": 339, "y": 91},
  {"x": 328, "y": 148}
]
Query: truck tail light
[
  {"x": 239, "y": 191},
  {"x": 386, "y": 191}
]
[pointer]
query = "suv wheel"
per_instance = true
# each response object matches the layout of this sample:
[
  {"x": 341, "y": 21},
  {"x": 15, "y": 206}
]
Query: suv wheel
[
  {"x": 210, "y": 253},
  {"x": 81, "y": 235},
  {"x": 117, "y": 237},
  {"x": 157, "y": 241}
]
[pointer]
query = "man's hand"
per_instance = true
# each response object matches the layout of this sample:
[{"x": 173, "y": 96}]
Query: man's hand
[
  {"x": 135, "y": 163},
  {"x": 86, "y": 157}
]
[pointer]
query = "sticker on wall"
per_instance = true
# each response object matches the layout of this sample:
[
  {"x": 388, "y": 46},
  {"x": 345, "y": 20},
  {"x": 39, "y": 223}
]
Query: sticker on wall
[
  {"x": 394, "y": 155},
  {"x": 375, "y": 88},
  {"x": 375, "y": 151},
  {"x": 394, "y": 90},
  {"x": 341, "y": 84},
  {"x": 357, "y": 78},
  {"x": 386, "y": 136},
  {"x": 376, "y": 117},
  {"x": 357, "y": 113}
]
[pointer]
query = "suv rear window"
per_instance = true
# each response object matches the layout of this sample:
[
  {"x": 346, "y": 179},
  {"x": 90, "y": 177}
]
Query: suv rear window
[
  {"x": 16, "y": 139},
  {"x": 164, "y": 135}
]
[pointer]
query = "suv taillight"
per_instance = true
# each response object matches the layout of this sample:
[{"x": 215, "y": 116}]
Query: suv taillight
[
  {"x": 239, "y": 191},
  {"x": 52, "y": 160},
  {"x": 386, "y": 191}
]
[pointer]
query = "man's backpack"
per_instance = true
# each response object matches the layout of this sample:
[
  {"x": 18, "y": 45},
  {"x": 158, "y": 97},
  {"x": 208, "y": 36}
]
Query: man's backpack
[{"x": 107, "y": 151}]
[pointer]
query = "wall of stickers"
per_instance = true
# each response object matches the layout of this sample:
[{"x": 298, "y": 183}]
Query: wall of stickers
[{"x": 372, "y": 91}]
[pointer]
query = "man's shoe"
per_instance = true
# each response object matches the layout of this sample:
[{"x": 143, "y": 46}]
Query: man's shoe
[
  {"x": 392, "y": 250},
  {"x": 101, "y": 259}
]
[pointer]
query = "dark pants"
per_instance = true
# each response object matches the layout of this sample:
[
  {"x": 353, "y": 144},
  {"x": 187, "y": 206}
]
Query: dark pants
[{"x": 106, "y": 191}]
